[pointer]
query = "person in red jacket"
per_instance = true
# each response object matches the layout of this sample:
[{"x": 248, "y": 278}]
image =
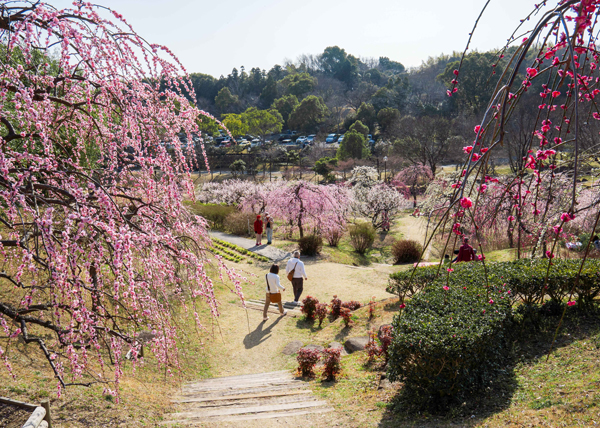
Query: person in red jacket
[
  {"x": 466, "y": 253},
  {"x": 258, "y": 229}
]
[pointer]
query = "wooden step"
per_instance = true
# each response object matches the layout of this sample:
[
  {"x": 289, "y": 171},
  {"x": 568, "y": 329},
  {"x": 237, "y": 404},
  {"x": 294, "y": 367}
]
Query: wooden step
[
  {"x": 250, "y": 410},
  {"x": 283, "y": 391},
  {"x": 199, "y": 397},
  {"x": 219, "y": 380}
]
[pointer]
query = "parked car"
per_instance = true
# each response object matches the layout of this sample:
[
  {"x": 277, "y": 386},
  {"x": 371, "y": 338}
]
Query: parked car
[
  {"x": 301, "y": 140},
  {"x": 331, "y": 138},
  {"x": 310, "y": 139},
  {"x": 340, "y": 139}
]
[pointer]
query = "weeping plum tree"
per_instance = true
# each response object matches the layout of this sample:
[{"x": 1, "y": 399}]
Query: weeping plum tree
[
  {"x": 96, "y": 244},
  {"x": 303, "y": 205},
  {"x": 559, "y": 55}
]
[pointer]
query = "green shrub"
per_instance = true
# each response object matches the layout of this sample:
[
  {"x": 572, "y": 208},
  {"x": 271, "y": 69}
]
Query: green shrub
[
  {"x": 236, "y": 223},
  {"x": 214, "y": 213},
  {"x": 406, "y": 251},
  {"x": 526, "y": 278},
  {"x": 362, "y": 236},
  {"x": 310, "y": 245},
  {"x": 449, "y": 343}
]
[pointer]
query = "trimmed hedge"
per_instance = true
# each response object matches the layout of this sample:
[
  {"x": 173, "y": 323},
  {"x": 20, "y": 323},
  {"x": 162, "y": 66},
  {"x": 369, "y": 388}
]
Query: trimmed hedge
[
  {"x": 526, "y": 278},
  {"x": 450, "y": 342}
]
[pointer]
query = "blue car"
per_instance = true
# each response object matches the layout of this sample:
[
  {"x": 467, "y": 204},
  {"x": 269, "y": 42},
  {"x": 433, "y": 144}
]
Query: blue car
[{"x": 331, "y": 138}]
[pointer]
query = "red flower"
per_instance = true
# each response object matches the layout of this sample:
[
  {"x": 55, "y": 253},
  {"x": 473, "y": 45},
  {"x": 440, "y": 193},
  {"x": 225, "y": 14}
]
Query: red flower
[
  {"x": 571, "y": 303},
  {"x": 532, "y": 72},
  {"x": 466, "y": 202}
]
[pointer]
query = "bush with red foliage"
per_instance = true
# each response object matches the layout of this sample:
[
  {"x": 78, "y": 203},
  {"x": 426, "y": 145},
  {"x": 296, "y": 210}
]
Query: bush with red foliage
[
  {"x": 373, "y": 349},
  {"x": 346, "y": 314},
  {"x": 309, "y": 306},
  {"x": 321, "y": 312},
  {"x": 307, "y": 359},
  {"x": 352, "y": 305},
  {"x": 332, "y": 363},
  {"x": 336, "y": 305},
  {"x": 385, "y": 339}
]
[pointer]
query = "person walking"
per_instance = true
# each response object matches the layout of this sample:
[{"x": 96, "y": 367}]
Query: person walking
[
  {"x": 296, "y": 266},
  {"x": 269, "y": 228},
  {"x": 273, "y": 291},
  {"x": 258, "y": 229},
  {"x": 466, "y": 253}
]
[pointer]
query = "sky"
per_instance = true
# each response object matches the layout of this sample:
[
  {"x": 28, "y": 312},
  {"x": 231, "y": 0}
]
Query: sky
[{"x": 214, "y": 37}]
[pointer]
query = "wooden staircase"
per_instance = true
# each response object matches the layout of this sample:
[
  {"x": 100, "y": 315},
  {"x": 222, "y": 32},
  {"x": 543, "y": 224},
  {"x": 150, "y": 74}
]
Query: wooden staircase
[{"x": 244, "y": 398}]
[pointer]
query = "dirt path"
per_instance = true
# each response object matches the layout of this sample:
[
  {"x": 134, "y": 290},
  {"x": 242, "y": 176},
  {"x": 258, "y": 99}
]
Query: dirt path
[{"x": 251, "y": 346}]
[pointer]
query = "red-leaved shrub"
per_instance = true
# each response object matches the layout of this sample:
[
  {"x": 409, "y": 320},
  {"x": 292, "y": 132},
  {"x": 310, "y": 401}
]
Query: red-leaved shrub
[
  {"x": 346, "y": 314},
  {"x": 321, "y": 312},
  {"x": 372, "y": 307},
  {"x": 307, "y": 359},
  {"x": 309, "y": 305},
  {"x": 336, "y": 305},
  {"x": 352, "y": 305},
  {"x": 332, "y": 363},
  {"x": 372, "y": 348},
  {"x": 385, "y": 339}
]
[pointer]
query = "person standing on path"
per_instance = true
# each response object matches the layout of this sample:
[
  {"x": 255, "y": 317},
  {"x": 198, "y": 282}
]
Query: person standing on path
[
  {"x": 294, "y": 264},
  {"x": 269, "y": 228},
  {"x": 258, "y": 229},
  {"x": 466, "y": 253},
  {"x": 273, "y": 293}
]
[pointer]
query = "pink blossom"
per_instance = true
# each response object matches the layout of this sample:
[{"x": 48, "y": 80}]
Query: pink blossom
[
  {"x": 445, "y": 287},
  {"x": 402, "y": 306},
  {"x": 491, "y": 302},
  {"x": 549, "y": 255},
  {"x": 467, "y": 149},
  {"x": 477, "y": 128},
  {"x": 466, "y": 202},
  {"x": 566, "y": 217},
  {"x": 511, "y": 218},
  {"x": 571, "y": 303},
  {"x": 532, "y": 72}
]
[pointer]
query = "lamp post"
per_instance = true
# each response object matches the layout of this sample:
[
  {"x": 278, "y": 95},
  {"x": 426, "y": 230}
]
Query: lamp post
[{"x": 385, "y": 169}]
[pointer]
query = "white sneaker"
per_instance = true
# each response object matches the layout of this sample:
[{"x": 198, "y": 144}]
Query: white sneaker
[{"x": 284, "y": 313}]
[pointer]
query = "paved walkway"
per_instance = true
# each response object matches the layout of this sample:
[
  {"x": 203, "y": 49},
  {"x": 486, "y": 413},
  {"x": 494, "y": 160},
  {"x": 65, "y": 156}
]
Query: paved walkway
[{"x": 268, "y": 251}]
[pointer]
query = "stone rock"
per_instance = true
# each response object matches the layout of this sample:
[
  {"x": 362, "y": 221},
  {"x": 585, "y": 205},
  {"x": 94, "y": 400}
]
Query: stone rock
[
  {"x": 337, "y": 345},
  {"x": 354, "y": 344},
  {"x": 292, "y": 347},
  {"x": 318, "y": 348}
]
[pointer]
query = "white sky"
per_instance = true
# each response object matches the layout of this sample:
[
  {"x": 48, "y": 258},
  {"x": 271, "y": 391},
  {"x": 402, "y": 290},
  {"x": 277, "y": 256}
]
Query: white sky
[{"x": 213, "y": 37}]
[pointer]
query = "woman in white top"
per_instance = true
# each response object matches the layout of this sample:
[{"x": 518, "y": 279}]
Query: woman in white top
[{"x": 273, "y": 287}]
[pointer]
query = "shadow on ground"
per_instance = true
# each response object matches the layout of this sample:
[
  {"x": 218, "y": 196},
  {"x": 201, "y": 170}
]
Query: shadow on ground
[{"x": 261, "y": 333}]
